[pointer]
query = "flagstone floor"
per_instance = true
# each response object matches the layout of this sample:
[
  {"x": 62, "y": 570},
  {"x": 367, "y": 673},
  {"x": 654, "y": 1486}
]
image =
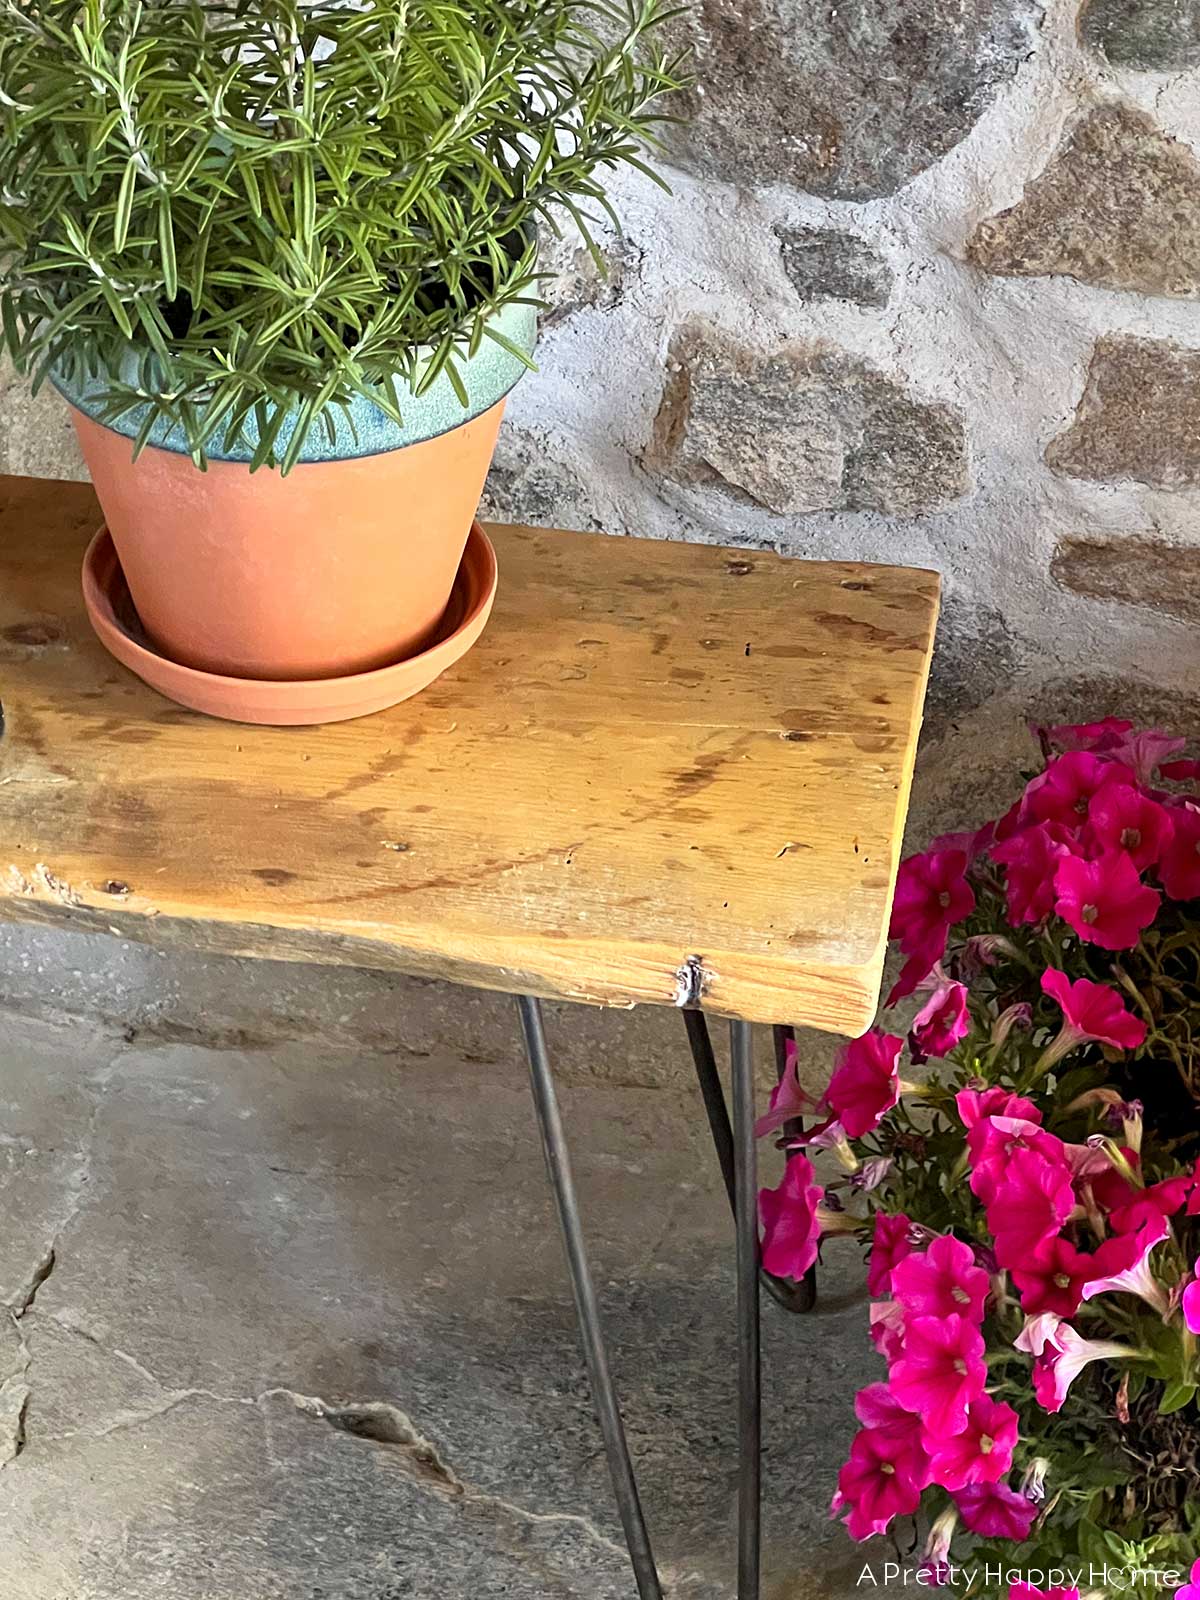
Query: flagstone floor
[{"x": 291, "y": 1323}]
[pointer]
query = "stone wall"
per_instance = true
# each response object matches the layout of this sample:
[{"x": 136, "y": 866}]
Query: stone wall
[{"x": 926, "y": 287}]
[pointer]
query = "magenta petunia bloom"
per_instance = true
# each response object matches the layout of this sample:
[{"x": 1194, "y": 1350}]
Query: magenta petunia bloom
[
  {"x": 982, "y": 1452},
  {"x": 941, "y": 1022},
  {"x": 1092, "y": 1011},
  {"x": 1026, "y": 1591},
  {"x": 940, "y": 1371},
  {"x": 973, "y": 1105},
  {"x": 885, "y": 1320},
  {"x": 1186, "y": 771},
  {"x": 788, "y": 1099},
  {"x": 1064, "y": 791},
  {"x": 1121, "y": 818},
  {"x": 1191, "y": 1589},
  {"x": 790, "y": 1221},
  {"x": 877, "y": 1408},
  {"x": 912, "y": 975},
  {"x": 1029, "y": 859},
  {"x": 1033, "y": 1198},
  {"x": 1190, "y": 1301},
  {"x": 972, "y": 841},
  {"x": 942, "y": 1281},
  {"x": 1105, "y": 901},
  {"x": 1145, "y": 752},
  {"x": 1179, "y": 868},
  {"x": 994, "y": 1141},
  {"x": 1103, "y": 735},
  {"x": 1129, "y": 1272},
  {"x": 994, "y": 1511},
  {"x": 1060, "y": 1355},
  {"x": 889, "y": 1246},
  {"x": 867, "y": 1083},
  {"x": 875, "y": 1487},
  {"x": 1052, "y": 1279},
  {"x": 931, "y": 893},
  {"x": 1141, "y": 1208}
]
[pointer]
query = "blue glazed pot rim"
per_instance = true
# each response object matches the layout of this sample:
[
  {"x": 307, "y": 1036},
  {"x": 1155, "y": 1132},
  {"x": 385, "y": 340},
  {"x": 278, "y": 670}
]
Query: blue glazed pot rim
[{"x": 489, "y": 375}]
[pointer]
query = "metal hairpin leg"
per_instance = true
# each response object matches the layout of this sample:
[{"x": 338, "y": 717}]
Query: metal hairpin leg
[
  {"x": 558, "y": 1164},
  {"x": 791, "y": 1296},
  {"x": 749, "y": 1357}
]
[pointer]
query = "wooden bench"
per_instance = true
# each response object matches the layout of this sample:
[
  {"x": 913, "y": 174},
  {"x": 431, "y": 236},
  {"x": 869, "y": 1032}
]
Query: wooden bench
[{"x": 668, "y": 774}]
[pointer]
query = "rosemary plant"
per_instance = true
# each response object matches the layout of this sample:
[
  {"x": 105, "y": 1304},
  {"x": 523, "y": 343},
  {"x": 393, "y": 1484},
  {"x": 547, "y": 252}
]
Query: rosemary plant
[{"x": 236, "y": 208}]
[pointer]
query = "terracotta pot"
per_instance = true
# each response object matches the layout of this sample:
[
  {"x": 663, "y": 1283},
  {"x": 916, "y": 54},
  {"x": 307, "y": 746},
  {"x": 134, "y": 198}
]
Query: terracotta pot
[
  {"x": 340, "y": 567},
  {"x": 343, "y": 566}
]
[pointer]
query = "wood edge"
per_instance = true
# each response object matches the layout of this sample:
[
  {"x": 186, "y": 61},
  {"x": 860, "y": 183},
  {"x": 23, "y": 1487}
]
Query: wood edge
[
  {"x": 737, "y": 551},
  {"x": 827, "y": 998},
  {"x": 916, "y": 722}
]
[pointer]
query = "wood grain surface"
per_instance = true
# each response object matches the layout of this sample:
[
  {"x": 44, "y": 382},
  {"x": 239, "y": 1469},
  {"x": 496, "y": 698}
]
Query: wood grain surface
[{"x": 660, "y": 759}]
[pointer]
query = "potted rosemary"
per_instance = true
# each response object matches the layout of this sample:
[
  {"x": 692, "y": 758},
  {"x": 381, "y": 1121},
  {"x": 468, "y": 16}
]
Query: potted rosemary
[{"x": 280, "y": 258}]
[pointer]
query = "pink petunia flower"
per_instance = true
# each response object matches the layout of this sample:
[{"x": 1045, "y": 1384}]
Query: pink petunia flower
[
  {"x": 890, "y": 1245},
  {"x": 1102, "y": 735},
  {"x": 942, "y": 1281},
  {"x": 1190, "y": 1301},
  {"x": 1052, "y": 1279},
  {"x": 1179, "y": 868},
  {"x": 1029, "y": 859},
  {"x": 1191, "y": 1589},
  {"x": 1091, "y": 1011},
  {"x": 994, "y": 1141},
  {"x": 1141, "y": 1208},
  {"x": 994, "y": 1511},
  {"x": 1134, "y": 1277},
  {"x": 940, "y": 1371},
  {"x": 788, "y": 1099},
  {"x": 1121, "y": 818},
  {"x": 1033, "y": 1198},
  {"x": 877, "y": 1408},
  {"x": 886, "y": 1327},
  {"x": 974, "y": 1105},
  {"x": 932, "y": 893},
  {"x": 867, "y": 1083},
  {"x": 1060, "y": 1355},
  {"x": 941, "y": 1022},
  {"x": 972, "y": 842},
  {"x": 1145, "y": 752},
  {"x": 1063, "y": 792},
  {"x": 791, "y": 1220},
  {"x": 875, "y": 1487},
  {"x": 982, "y": 1452},
  {"x": 1105, "y": 901},
  {"x": 914, "y": 973}
]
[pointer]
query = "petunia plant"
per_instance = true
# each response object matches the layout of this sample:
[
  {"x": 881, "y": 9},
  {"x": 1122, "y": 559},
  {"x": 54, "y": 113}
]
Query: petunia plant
[{"x": 1029, "y": 1187}]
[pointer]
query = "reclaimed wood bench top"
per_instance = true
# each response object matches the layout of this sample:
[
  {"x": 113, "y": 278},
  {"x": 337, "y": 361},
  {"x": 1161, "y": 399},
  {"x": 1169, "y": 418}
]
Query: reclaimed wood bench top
[{"x": 664, "y": 767}]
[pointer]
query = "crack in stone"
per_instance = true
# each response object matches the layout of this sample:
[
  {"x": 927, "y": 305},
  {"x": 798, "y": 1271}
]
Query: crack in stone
[
  {"x": 382, "y": 1423},
  {"x": 22, "y": 1301},
  {"x": 16, "y": 1389},
  {"x": 376, "y": 1422},
  {"x": 379, "y": 1422}
]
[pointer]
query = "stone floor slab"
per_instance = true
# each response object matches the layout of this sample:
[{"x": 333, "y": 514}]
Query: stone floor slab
[{"x": 306, "y": 1334}]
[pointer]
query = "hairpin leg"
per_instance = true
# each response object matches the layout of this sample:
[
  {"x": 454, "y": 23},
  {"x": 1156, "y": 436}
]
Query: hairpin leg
[
  {"x": 558, "y": 1164},
  {"x": 749, "y": 1359}
]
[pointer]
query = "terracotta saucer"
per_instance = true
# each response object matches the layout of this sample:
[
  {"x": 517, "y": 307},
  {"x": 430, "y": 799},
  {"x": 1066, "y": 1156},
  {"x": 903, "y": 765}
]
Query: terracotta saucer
[{"x": 291, "y": 702}]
